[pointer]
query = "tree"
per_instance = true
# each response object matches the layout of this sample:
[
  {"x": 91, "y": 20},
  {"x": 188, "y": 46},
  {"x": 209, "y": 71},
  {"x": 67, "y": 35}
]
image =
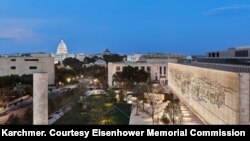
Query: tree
[
  {"x": 112, "y": 96},
  {"x": 173, "y": 112},
  {"x": 73, "y": 63},
  {"x": 113, "y": 58},
  {"x": 152, "y": 98},
  {"x": 130, "y": 76},
  {"x": 88, "y": 60},
  {"x": 121, "y": 96},
  {"x": 140, "y": 94},
  {"x": 61, "y": 74},
  {"x": 153, "y": 105}
]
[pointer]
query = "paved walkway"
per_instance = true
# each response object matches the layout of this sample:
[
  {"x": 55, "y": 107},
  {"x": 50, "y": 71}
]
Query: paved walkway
[
  {"x": 189, "y": 118},
  {"x": 141, "y": 119}
]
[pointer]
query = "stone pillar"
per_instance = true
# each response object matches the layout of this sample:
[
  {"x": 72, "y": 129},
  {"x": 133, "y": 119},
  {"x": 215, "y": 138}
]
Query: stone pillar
[
  {"x": 40, "y": 98},
  {"x": 244, "y": 98}
]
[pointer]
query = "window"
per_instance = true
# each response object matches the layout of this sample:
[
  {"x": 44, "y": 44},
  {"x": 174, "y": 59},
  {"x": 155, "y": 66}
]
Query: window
[
  {"x": 241, "y": 53},
  {"x": 13, "y": 67},
  {"x": 160, "y": 70},
  {"x": 209, "y": 54},
  {"x": 118, "y": 68},
  {"x": 165, "y": 70},
  {"x": 31, "y": 59},
  {"x": 213, "y": 54},
  {"x": 143, "y": 68},
  {"x": 217, "y": 54},
  {"x": 33, "y": 67},
  {"x": 12, "y": 59},
  {"x": 148, "y": 69}
]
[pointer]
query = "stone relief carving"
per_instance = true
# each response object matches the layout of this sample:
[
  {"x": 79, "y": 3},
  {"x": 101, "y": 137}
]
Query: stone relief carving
[{"x": 199, "y": 89}]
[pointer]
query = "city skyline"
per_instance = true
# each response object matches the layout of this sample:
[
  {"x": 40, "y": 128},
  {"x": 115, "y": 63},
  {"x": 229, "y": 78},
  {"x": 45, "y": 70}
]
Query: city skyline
[{"x": 143, "y": 26}]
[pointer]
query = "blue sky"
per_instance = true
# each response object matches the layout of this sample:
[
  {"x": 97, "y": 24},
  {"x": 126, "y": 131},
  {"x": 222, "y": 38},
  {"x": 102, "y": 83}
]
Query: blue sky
[{"x": 124, "y": 26}]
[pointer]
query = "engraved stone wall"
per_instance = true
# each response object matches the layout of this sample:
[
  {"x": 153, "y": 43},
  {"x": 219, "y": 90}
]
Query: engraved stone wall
[{"x": 212, "y": 94}]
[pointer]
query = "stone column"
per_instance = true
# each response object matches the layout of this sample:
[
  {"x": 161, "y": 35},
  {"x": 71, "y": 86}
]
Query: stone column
[
  {"x": 40, "y": 98},
  {"x": 244, "y": 98}
]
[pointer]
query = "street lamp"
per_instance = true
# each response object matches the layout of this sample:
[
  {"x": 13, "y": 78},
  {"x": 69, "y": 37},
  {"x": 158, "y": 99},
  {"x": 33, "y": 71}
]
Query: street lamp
[
  {"x": 68, "y": 79},
  {"x": 95, "y": 80}
]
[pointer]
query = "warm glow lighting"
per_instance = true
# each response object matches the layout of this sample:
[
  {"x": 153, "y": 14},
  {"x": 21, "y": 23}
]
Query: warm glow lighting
[
  {"x": 95, "y": 80},
  {"x": 68, "y": 80}
]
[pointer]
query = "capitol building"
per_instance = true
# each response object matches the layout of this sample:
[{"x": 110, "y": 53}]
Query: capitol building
[
  {"x": 62, "y": 53},
  {"x": 62, "y": 48}
]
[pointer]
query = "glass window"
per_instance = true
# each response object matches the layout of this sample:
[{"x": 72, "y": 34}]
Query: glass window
[
  {"x": 33, "y": 67},
  {"x": 31, "y": 59},
  {"x": 13, "y": 67}
]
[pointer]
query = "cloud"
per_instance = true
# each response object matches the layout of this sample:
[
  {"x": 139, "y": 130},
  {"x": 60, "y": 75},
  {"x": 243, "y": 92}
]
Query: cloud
[
  {"x": 19, "y": 35},
  {"x": 23, "y": 30},
  {"x": 227, "y": 9}
]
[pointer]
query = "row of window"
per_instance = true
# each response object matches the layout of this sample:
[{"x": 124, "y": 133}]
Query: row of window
[
  {"x": 148, "y": 69},
  {"x": 26, "y": 59},
  {"x": 240, "y": 53},
  {"x": 213, "y": 54},
  {"x": 31, "y": 67},
  {"x": 163, "y": 70}
]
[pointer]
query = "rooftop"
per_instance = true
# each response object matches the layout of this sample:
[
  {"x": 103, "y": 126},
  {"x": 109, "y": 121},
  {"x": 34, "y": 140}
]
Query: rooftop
[
  {"x": 34, "y": 54},
  {"x": 222, "y": 67}
]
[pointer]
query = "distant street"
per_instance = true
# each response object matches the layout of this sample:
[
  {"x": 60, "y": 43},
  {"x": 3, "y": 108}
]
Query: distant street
[{"x": 56, "y": 115}]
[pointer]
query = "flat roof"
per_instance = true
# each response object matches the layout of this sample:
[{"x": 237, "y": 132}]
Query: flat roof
[{"x": 222, "y": 67}]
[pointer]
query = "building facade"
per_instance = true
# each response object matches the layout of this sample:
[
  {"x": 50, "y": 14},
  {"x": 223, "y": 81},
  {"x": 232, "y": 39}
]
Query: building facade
[
  {"x": 235, "y": 56},
  {"x": 28, "y": 64},
  {"x": 133, "y": 57},
  {"x": 219, "y": 94},
  {"x": 154, "y": 57},
  {"x": 239, "y": 52},
  {"x": 160, "y": 57},
  {"x": 158, "y": 71}
]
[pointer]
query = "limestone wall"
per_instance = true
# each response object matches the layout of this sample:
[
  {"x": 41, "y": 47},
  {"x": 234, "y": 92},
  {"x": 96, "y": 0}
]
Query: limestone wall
[
  {"x": 22, "y": 66},
  {"x": 212, "y": 94}
]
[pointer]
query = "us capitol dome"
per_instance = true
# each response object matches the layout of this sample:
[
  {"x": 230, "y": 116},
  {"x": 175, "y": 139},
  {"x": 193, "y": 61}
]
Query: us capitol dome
[{"x": 62, "y": 48}]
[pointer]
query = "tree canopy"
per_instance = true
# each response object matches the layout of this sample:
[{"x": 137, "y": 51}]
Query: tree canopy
[
  {"x": 88, "y": 60},
  {"x": 12, "y": 80},
  {"x": 73, "y": 63},
  {"x": 130, "y": 75},
  {"x": 113, "y": 58}
]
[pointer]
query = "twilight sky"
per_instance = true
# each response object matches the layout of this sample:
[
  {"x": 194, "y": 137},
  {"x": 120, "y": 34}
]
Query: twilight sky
[{"x": 124, "y": 26}]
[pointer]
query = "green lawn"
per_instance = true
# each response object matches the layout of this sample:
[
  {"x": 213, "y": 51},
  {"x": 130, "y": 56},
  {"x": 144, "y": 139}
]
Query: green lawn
[{"x": 97, "y": 110}]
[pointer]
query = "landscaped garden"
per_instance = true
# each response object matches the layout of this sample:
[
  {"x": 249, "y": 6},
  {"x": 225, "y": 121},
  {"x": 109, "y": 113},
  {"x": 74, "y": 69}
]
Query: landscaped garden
[{"x": 98, "y": 109}]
